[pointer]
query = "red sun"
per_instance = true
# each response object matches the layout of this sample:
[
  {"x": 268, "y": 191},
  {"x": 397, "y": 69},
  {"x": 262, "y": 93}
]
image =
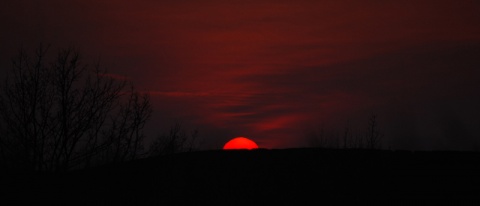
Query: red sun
[{"x": 240, "y": 143}]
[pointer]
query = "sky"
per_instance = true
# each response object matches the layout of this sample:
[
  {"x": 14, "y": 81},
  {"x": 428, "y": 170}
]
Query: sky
[{"x": 274, "y": 71}]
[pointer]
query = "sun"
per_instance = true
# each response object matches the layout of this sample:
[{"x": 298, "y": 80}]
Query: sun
[{"x": 240, "y": 143}]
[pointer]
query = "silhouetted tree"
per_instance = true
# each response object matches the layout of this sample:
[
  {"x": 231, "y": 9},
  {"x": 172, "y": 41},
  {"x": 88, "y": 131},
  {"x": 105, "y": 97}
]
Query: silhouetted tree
[
  {"x": 373, "y": 135},
  {"x": 346, "y": 137},
  {"x": 358, "y": 141},
  {"x": 316, "y": 139},
  {"x": 61, "y": 113},
  {"x": 371, "y": 139},
  {"x": 178, "y": 139},
  {"x": 323, "y": 139}
]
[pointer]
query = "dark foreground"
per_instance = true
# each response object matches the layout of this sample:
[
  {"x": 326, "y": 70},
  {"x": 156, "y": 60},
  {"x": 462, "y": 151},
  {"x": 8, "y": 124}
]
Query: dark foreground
[{"x": 286, "y": 176}]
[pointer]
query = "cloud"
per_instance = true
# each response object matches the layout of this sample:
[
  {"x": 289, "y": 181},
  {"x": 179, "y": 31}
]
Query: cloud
[{"x": 270, "y": 68}]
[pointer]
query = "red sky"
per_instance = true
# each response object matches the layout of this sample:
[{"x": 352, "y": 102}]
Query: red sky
[{"x": 275, "y": 70}]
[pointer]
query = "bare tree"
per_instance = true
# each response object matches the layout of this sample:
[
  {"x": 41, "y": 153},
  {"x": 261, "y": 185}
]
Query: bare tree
[
  {"x": 178, "y": 139},
  {"x": 62, "y": 113},
  {"x": 373, "y": 135},
  {"x": 323, "y": 138},
  {"x": 358, "y": 141},
  {"x": 346, "y": 137},
  {"x": 317, "y": 139},
  {"x": 371, "y": 139}
]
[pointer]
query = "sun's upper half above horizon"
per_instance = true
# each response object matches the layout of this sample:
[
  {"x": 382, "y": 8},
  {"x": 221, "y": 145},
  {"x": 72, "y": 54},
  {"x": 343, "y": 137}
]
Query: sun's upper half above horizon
[{"x": 240, "y": 143}]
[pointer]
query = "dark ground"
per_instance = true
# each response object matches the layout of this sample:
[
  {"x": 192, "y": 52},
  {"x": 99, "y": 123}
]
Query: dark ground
[{"x": 287, "y": 176}]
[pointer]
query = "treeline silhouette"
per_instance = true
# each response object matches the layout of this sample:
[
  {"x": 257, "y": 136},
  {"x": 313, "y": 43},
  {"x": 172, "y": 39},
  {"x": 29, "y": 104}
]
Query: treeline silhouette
[
  {"x": 59, "y": 113},
  {"x": 77, "y": 131},
  {"x": 370, "y": 138}
]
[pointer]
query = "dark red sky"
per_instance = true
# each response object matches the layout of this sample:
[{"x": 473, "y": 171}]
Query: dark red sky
[{"x": 275, "y": 70}]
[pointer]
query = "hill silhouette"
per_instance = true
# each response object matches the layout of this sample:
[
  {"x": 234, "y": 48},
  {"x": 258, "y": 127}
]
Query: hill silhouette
[{"x": 262, "y": 176}]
